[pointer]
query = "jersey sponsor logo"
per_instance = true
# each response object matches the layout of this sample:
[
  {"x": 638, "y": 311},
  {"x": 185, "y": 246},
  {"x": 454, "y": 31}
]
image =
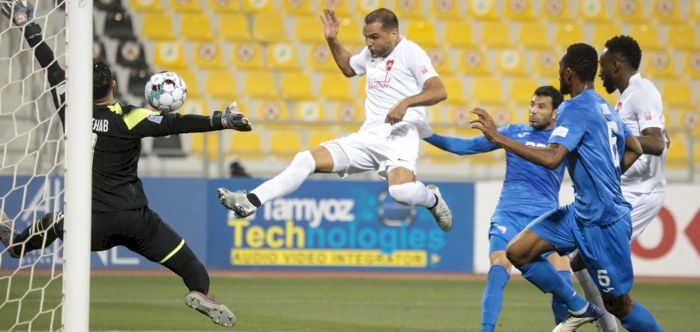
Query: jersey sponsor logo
[
  {"x": 155, "y": 118},
  {"x": 100, "y": 125},
  {"x": 61, "y": 89},
  {"x": 374, "y": 83},
  {"x": 607, "y": 290},
  {"x": 560, "y": 131},
  {"x": 502, "y": 229},
  {"x": 389, "y": 64},
  {"x": 423, "y": 69},
  {"x": 523, "y": 134}
]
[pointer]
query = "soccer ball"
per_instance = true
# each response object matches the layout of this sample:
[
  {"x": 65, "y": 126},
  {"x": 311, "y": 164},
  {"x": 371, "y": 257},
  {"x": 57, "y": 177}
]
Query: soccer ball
[{"x": 166, "y": 91}]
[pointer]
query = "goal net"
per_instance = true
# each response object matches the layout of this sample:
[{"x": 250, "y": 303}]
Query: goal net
[{"x": 32, "y": 167}]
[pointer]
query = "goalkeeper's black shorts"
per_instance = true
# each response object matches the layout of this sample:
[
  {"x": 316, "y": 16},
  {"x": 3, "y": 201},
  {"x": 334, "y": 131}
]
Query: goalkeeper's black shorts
[{"x": 140, "y": 230}]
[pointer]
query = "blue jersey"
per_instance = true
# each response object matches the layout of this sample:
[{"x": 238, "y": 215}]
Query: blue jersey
[
  {"x": 594, "y": 135},
  {"x": 527, "y": 187}
]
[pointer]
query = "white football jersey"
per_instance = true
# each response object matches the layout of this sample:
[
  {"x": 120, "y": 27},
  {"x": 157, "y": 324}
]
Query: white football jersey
[
  {"x": 399, "y": 75},
  {"x": 640, "y": 107}
]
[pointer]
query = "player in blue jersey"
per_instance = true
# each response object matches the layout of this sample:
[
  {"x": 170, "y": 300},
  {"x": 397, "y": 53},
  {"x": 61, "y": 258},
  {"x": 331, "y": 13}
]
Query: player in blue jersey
[
  {"x": 524, "y": 184},
  {"x": 598, "y": 148}
]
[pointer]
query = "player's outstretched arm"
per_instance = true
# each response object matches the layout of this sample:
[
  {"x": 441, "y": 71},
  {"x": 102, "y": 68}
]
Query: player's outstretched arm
[
  {"x": 462, "y": 146},
  {"x": 331, "y": 26},
  {"x": 551, "y": 156},
  {"x": 633, "y": 150},
  {"x": 147, "y": 123},
  {"x": 434, "y": 91}
]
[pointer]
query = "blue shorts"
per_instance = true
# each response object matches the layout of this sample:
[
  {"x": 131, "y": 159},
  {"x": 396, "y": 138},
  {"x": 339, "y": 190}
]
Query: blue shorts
[
  {"x": 605, "y": 250},
  {"x": 505, "y": 226}
]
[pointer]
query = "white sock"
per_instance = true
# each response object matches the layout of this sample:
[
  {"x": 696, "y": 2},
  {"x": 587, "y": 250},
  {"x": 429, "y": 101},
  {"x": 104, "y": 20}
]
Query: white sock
[
  {"x": 606, "y": 323},
  {"x": 412, "y": 193},
  {"x": 289, "y": 180}
]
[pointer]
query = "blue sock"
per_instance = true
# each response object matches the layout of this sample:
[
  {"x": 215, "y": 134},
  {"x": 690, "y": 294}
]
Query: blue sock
[
  {"x": 558, "y": 305},
  {"x": 640, "y": 320},
  {"x": 493, "y": 297},
  {"x": 542, "y": 274}
]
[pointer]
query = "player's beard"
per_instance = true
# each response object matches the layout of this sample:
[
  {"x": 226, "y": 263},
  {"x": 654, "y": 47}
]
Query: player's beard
[
  {"x": 609, "y": 84},
  {"x": 563, "y": 88}
]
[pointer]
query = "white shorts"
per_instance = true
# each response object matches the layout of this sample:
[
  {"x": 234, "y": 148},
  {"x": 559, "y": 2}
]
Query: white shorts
[
  {"x": 380, "y": 148},
  {"x": 645, "y": 207}
]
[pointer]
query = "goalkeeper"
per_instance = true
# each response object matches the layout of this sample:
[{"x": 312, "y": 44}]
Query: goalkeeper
[{"x": 120, "y": 213}]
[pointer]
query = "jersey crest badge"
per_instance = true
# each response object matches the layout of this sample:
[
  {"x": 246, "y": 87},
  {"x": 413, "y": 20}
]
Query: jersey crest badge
[
  {"x": 389, "y": 64},
  {"x": 647, "y": 115}
]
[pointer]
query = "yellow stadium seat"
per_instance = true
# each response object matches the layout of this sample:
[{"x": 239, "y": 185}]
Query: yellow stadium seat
[
  {"x": 522, "y": 90},
  {"x": 422, "y": 32},
  {"x": 273, "y": 113},
  {"x": 310, "y": 112},
  {"x": 185, "y": 6},
  {"x": 282, "y": 56},
  {"x": 677, "y": 154},
  {"x": 350, "y": 33},
  {"x": 496, "y": 35},
  {"x": 568, "y": 34},
  {"x": 659, "y": 65},
  {"x": 224, "y": 6},
  {"x": 603, "y": 32},
  {"x": 193, "y": 106},
  {"x": 234, "y": 27},
  {"x": 503, "y": 116},
  {"x": 146, "y": 5},
  {"x": 364, "y": 7},
  {"x": 533, "y": 36},
  {"x": 339, "y": 6},
  {"x": 410, "y": 9},
  {"x": 246, "y": 145},
  {"x": 519, "y": 10},
  {"x": 647, "y": 36},
  {"x": 546, "y": 63},
  {"x": 688, "y": 119},
  {"x": 321, "y": 59},
  {"x": 284, "y": 144},
  {"x": 459, "y": 34},
  {"x": 196, "y": 27},
  {"x": 695, "y": 11},
  {"x": 208, "y": 55},
  {"x": 676, "y": 95},
  {"x": 247, "y": 56},
  {"x": 682, "y": 37},
  {"x": 260, "y": 84},
  {"x": 318, "y": 137},
  {"x": 593, "y": 11},
  {"x": 437, "y": 155},
  {"x": 455, "y": 90},
  {"x": 220, "y": 84},
  {"x": 308, "y": 29},
  {"x": 482, "y": 10},
  {"x": 511, "y": 62},
  {"x": 258, "y": 6},
  {"x": 349, "y": 116},
  {"x": 440, "y": 59},
  {"x": 432, "y": 114},
  {"x": 445, "y": 10},
  {"x": 459, "y": 117},
  {"x": 157, "y": 26},
  {"x": 212, "y": 142},
  {"x": 474, "y": 62},
  {"x": 268, "y": 27},
  {"x": 298, "y": 7},
  {"x": 556, "y": 10},
  {"x": 667, "y": 11},
  {"x": 631, "y": 11},
  {"x": 192, "y": 85},
  {"x": 487, "y": 91},
  {"x": 691, "y": 64},
  {"x": 296, "y": 86},
  {"x": 170, "y": 55},
  {"x": 335, "y": 86}
]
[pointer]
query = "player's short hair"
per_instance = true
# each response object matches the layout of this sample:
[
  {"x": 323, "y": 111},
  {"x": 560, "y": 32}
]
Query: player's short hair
[
  {"x": 101, "y": 79},
  {"x": 626, "y": 49},
  {"x": 550, "y": 91},
  {"x": 385, "y": 17},
  {"x": 583, "y": 59}
]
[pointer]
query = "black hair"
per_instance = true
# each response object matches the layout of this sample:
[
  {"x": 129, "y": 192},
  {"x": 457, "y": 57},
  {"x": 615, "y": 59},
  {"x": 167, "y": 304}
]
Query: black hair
[
  {"x": 385, "y": 17},
  {"x": 101, "y": 79},
  {"x": 626, "y": 49},
  {"x": 583, "y": 60},
  {"x": 550, "y": 91}
]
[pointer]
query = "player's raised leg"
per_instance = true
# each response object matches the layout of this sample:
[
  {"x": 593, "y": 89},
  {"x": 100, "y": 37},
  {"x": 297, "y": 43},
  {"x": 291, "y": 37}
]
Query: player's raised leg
[
  {"x": 318, "y": 160},
  {"x": 561, "y": 264},
  {"x": 38, "y": 235},
  {"x": 404, "y": 188},
  {"x": 499, "y": 274}
]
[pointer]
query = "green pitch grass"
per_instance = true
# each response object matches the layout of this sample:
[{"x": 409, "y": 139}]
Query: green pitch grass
[{"x": 325, "y": 304}]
